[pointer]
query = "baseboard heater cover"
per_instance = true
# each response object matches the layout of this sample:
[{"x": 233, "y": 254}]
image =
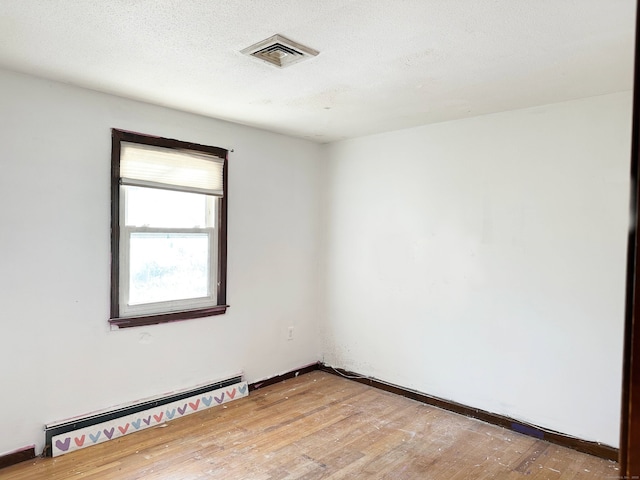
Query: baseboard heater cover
[{"x": 61, "y": 438}]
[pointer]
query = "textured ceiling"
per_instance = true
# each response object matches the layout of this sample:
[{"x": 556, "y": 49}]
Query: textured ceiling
[{"x": 383, "y": 64}]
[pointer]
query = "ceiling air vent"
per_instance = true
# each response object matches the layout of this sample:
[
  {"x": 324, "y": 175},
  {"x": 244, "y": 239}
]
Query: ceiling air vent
[{"x": 279, "y": 51}]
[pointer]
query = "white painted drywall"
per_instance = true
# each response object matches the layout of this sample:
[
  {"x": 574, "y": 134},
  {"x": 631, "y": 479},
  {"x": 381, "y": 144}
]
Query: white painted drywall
[
  {"x": 58, "y": 357},
  {"x": 482, "y": 261}
]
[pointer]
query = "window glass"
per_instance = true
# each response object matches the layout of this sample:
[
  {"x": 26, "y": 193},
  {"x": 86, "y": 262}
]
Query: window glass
[
  {"x": 153, "y": 207},
  {"x": 168, "y": 266}
]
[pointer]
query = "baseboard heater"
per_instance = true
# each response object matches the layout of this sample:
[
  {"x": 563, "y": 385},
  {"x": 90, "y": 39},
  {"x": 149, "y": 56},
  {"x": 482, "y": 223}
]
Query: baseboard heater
[{"x": 67, "y": 436}]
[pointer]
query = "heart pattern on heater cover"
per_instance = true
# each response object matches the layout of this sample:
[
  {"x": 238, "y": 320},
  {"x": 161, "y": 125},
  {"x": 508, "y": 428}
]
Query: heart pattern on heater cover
[{"x": 64, "y": 445}]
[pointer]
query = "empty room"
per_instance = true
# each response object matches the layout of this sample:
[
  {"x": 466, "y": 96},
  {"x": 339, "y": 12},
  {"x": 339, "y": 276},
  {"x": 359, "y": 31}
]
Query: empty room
[{"x": 317, "y": 239}]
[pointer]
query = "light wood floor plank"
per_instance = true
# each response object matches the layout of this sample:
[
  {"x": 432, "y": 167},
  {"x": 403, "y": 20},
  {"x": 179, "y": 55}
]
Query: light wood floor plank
[{"x": 320, "y": 426}]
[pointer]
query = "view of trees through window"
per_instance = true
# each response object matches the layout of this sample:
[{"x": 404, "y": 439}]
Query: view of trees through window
[{"x": 169, "y": 237}]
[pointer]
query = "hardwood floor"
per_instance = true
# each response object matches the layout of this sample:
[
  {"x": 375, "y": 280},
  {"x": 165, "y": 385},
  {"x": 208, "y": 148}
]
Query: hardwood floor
[{"x": 320, "y": 426}]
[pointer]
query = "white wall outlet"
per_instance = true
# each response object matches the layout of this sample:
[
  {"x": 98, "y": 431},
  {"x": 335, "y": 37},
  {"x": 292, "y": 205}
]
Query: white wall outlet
[{"x": 290, "y": 333}]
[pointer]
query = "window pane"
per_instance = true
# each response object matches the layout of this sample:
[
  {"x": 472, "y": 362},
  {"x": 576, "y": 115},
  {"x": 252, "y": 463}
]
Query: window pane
[
  {"x": 168, "y": 266},
  {"x": 153, "y": 207}
]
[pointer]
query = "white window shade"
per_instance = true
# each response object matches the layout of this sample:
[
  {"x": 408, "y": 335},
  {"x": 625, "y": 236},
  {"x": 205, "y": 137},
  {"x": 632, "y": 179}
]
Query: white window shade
[{"x": 150, "y": 166}]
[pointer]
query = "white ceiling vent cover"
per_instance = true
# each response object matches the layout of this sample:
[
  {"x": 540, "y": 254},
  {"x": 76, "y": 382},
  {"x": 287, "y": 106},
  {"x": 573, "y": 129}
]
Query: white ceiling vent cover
[{"x": 279, "y": 51}]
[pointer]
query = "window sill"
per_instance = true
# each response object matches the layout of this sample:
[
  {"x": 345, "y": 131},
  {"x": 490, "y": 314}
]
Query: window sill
[{"x": 157, "y": 318}]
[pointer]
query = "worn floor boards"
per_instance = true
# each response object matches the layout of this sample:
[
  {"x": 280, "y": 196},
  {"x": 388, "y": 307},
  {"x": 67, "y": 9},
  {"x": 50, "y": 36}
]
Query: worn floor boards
[{"x": 320, "y": 426}]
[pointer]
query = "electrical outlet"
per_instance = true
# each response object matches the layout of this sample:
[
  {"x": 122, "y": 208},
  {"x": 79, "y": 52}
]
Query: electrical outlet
[{"x": 290, "y": 334}]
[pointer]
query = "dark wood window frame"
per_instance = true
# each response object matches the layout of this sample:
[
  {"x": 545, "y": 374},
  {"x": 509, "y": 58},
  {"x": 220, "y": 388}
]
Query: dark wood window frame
[{"x": 117, "y": 137}]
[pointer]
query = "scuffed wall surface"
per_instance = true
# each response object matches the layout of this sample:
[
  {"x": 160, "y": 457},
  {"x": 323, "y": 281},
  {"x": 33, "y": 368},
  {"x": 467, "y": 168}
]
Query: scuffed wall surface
[{"x": 483, "y": 261}]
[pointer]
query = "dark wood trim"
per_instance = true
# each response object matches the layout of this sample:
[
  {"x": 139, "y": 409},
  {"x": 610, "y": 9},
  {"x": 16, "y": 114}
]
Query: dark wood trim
[
  {"x": 22, "y": 455},
  {"x": 117, "y": 137},
  {"x": 585, "y": 446},
  {"x": 168, "y": 317},
  {"x": 222, "y": 236},
  {"x": 558, "y": 438},
  {"x": 115, "y": 223},
  {"x": 284, "y": 376},
  {"x": 630, "y": 416},
  {"x": 135, "y": 137}
]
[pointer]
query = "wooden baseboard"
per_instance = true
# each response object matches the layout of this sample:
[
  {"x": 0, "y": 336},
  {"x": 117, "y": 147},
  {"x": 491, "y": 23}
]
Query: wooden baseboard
[
  {"x": 22, "y": 455},
  {"x": 284, "y": 376},
  {"x": 592, "y": 448}
]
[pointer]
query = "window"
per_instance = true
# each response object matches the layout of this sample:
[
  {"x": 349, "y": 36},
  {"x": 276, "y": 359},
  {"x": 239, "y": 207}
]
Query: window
[{"x": 168, "y": 230}]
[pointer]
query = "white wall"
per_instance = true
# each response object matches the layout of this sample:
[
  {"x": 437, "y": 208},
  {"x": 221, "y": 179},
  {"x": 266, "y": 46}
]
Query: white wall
[
  {"x": 58, "y": 357},
  {"x": 483, "y": 261}
]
